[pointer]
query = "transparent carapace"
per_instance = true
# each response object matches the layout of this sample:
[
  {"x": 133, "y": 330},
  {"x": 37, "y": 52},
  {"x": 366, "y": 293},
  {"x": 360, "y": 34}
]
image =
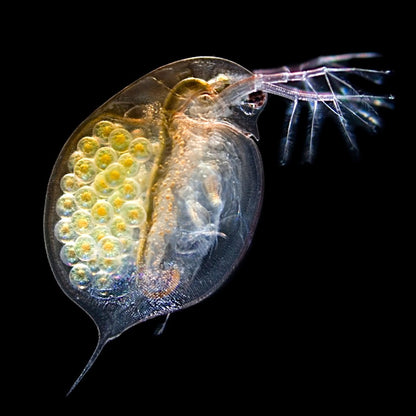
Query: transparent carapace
[{"x": 155, "y": 197}]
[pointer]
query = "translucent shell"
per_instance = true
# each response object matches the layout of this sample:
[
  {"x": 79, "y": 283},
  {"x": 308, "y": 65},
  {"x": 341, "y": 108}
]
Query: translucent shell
[{"x": 154, "y": 198}]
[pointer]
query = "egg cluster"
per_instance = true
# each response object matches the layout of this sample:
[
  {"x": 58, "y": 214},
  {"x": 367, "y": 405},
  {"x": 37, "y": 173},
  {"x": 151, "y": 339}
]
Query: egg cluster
[{"x": 101, "y": 209}]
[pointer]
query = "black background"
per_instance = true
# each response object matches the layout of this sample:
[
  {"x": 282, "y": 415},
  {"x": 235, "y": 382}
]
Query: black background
[{"x": 314, "y": 317}]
